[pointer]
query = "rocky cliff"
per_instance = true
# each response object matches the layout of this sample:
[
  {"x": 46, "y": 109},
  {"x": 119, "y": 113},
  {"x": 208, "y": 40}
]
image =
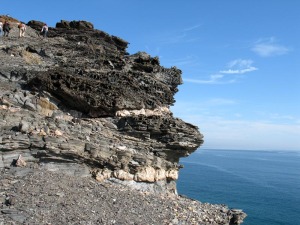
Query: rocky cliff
[{"x": 77, "y": 102}]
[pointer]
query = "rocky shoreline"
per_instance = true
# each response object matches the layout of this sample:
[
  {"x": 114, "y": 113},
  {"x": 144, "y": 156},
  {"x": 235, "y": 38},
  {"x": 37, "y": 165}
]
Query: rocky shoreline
[{"x": 76, "y": 110}]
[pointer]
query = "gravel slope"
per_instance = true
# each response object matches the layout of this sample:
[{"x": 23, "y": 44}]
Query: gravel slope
[{"x": 37, "y": 196}]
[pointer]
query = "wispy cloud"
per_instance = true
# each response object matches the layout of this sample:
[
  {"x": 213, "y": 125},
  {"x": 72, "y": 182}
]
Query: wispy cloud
[
  {"x": 190, "y": 60},
  {"x": 219, "y": 102},
  {"x": 278, "y": 116},
  {"x": 238, "y": 133},
  {"x": 183, "y": 35},
  {"x": 268, "y": 47},
  {"x": 233, "y": 73},
  {"x": 212, "y": 79},
  {"x": 176, "y": 38},
  {"x": 239, "y": 66},
  {"x": 243, "y": 134},
  {"x": 193, "y": 27}
]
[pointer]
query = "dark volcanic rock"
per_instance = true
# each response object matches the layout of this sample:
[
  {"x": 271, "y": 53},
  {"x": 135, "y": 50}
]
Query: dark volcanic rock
[
  {"x": 78, "y": 103},
  {"x": 37, "y": 25},
  {"x": 98, "y": 78},
  {"x": 104, "y": 93},
  {"x": 72, "y": 79},
  {"x": 81, "y": 25}
]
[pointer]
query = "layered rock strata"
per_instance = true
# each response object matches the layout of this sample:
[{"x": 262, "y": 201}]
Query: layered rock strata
[
  {"x": 77, "y": 103},
  {"x": 77, "y": 97}
]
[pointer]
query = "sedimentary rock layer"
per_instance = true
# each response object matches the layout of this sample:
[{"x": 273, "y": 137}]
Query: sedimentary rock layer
[
  {"x": 79, "y": 97},
  {"x": 77, "y": 103}
]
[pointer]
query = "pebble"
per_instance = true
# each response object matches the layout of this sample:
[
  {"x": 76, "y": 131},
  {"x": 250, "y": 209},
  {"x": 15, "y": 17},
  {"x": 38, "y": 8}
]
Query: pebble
[{"x": 62, "y": 199}]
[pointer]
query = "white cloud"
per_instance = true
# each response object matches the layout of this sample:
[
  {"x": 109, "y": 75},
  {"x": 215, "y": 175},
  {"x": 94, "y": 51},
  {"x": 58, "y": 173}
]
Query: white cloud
[
  {"x": 190, "y": 60},
  {"x": 182, "y": 35},
  {"x": 239, "y": 66},
  {"x": 213, "y": 79},
  {"x": 223, "y": 127},
  {"x": 269, "y": 47},
  {"x": 235, "y": 67},
  {"x": 192, "y": 28},
  {"x": 219, "y": 101},
  {"x": 282, "y": 117},
  {"x": 242, "y": 134},
  {"x": 266, "y": 50}
]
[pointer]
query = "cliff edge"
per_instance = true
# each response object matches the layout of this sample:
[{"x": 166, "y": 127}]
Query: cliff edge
[{"x": 78, "y": 104}]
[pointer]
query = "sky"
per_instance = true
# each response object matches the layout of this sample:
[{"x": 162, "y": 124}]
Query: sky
[{"x": 240, "y": 59}]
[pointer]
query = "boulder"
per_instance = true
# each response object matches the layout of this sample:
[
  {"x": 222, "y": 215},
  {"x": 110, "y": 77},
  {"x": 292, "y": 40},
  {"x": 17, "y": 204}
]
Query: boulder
[
  {"x": 36, "y": 25},
  {"x": 80, "y": 25}
]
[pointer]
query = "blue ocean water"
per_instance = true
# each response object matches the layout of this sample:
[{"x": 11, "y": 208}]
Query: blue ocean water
[{"x": 265, "y": 184}]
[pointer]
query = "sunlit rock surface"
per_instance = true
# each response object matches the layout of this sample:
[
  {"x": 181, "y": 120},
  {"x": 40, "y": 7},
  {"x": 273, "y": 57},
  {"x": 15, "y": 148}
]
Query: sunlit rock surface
[{"x": 77, "y": 103}]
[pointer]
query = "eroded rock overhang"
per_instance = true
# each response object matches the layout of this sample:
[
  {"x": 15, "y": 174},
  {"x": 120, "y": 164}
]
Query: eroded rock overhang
[{"x": 79, "y": 100}]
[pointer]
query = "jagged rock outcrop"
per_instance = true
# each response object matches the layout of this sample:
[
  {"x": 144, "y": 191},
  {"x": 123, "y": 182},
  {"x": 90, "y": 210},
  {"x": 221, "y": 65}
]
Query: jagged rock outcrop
[
  {"x": 81, "y": 25},
  {"x": 79, "y": 97},
  {"x": 79, "y": 104}
]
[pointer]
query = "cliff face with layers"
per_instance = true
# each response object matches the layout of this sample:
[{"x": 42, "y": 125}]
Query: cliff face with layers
[
  {"x": 77, "y": 102},
  {"x": 78, "y": 97}
]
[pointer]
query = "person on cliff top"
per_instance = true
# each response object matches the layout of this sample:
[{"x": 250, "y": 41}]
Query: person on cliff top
[
  {"x": 44, "y": 30},
  {"x": 22, "y": 29},
  {"x": 6, "y": 28},
  {"x": 1, "y": 28}
]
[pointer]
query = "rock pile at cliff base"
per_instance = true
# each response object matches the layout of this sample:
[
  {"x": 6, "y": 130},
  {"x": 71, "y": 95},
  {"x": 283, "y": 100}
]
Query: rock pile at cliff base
[{"x": 37, "y": 196}]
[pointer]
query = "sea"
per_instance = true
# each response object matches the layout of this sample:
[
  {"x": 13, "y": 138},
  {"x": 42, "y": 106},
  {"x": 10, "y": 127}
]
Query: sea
[{"x": 265, "y": 184}]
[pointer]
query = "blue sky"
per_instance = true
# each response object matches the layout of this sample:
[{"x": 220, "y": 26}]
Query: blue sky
[{"x": 240, "y": 59}]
